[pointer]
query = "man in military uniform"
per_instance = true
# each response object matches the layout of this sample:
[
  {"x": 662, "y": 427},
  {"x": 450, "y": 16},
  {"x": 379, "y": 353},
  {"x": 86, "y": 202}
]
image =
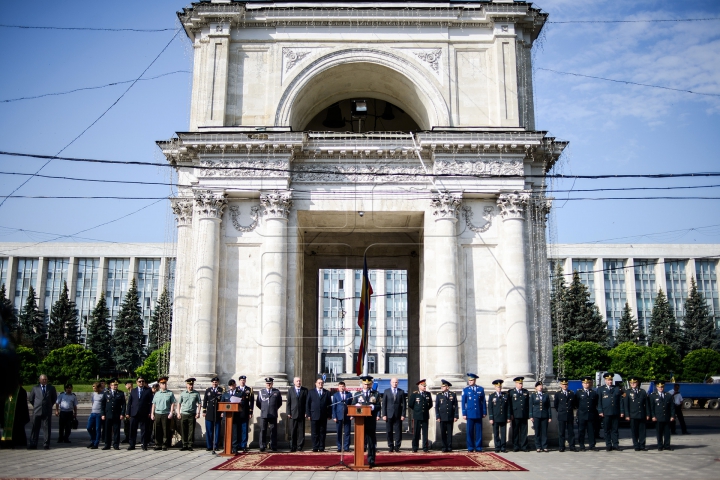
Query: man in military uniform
[
  {"x": 113, "y": 412},
  {"x": 188, "y": 411},
  {"x": 497, "y": 409},
  {"x": 126, "y": 422},
  {"x": 519, "y": 413},
  {"x": 662, "y": 411},
  {"x": 269, "y": 401},
  {"x": 446, "y": 413},
  {"x": 247, "y": 405},
  {"x": 564, "y": 402},
  {"x": 473, "y": 408},
  {"x": 540, "y": 416},
  {"x": 420, "y": 403},
  {"x": 234, "y": 439},
  {"x": 163, "y": 409},
  {"x": 211, "y": 414},
  {"x": 368, "y": 396},
  {"x": 636, "y": 408},
  {"x": 610, "y": 408},
  {"x": 586, "y": 400}
]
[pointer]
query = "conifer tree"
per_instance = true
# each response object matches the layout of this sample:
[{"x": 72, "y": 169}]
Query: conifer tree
[
  {"x": 663, "y": 328},
  {"x": 32, "y": 325},
  {"x": 582, "y": 319},
  {"x": 98, "y": 334},
  {"x": 556, "y": 302},
  {"x": 160, "y": 322},
  {"x": 628, "y": 330},
  {"x": 8, "y": 314},
  {"x": 128, "y": 333},
  {"x": 698, "y": 327},
  {"x": 63, "y": 326}
]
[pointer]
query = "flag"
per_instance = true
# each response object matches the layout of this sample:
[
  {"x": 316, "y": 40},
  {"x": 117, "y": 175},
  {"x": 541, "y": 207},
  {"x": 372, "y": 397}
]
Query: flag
[{"x": 364, "y": 320}]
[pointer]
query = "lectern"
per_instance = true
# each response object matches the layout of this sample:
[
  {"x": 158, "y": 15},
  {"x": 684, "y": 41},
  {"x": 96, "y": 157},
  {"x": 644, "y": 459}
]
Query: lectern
[
  {"x": 228, "y": 409},
  {"x": 359, "y": 413}
]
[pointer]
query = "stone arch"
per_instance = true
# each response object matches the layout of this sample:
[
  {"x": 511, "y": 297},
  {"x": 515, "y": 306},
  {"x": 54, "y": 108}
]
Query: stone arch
[{"x": 360, "y": 72}]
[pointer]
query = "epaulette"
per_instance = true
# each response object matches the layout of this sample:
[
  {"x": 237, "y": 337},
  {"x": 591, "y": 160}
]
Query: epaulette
[{"x": 415, "y": 392}]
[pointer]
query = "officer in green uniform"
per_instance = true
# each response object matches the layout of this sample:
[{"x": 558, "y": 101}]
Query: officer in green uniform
[
  {"x": 662, "y": 411},
  {"x": 368, "y": 396},
  {"x": 611, "y": 408},
  {"x": 188, "y": 412},
  {"x": 446, "y": 413},
  {"x": 163, "y": 407},
  {"x": 497, "y": 408},
  {"x": 636, "y": 408},
  {"x": 519, "y": 414},
  {"x": 420, "y": 403}
]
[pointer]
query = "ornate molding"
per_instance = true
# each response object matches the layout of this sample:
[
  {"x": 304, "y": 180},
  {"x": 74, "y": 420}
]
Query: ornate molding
[
  {"x": 210, "y": 203},
  {"x": 292, "y": 57},
  {"x": 541, "y": 208},
  {"x": 445, "y": 205},
  {"x": 512, "y": 205},
  {"x": 487, "y": 215},
  {"x": 339, "y": 173},
  {"x": 244, "y": 168},
  {"x": 254, "y": 213},
  {"x": 431, "y": 57},
  {"x": 277, "y": 204},
  {"x": 482, "y": 167},
  {"x": 183, "y": 210}
]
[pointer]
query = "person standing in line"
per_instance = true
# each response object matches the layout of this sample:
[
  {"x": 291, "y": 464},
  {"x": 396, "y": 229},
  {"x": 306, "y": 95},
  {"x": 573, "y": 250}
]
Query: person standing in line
[
  {"x": 497, "y": 408},
  {"x": 340, "y": 402},
  {"x": 318, "y": 410},
  {"x": 368, "y": 396},
  {"x": 540, "y": 416},
  {"x": 211, "y": 414},
  {"x": 564, "y": 402},
  {"x": 15, "y": 416},
  {"x": 586, "y": 400},
  {"x": 66, "y": 410},
  {"x": 519, "y": 399},
  {"x": 126, "y": 422},
  {"x": 473, "y": 410},
  {"x": 269, "y": 401},
  {"x": 138, "y": 409},
  {"x": 234, "y": 439},
  {"x": 636, "y": 408},
  {"x": 103, "y": 388},
  {"x": 393, "y": 412},
  {"x": 295, "y": 408},
  {"x": 42, "y": 398},
  {"x": 247, "y": 404},
  {"x": 420, "y": 403},
  {"x": 95, "y": 418},
  {"x": 188, "y": 412},
  {"x": 163, "y": 408},
  {"x": 113, "y": 408},
  {"x": 662, "y": 410},
  {"x": 446, "y": 414},
  {"x": 678, "y": 401},
  {"x": 611, "y": 408}
]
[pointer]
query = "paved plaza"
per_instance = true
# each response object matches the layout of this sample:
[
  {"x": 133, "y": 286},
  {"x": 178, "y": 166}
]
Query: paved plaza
[{"x": 695, "y": 456}]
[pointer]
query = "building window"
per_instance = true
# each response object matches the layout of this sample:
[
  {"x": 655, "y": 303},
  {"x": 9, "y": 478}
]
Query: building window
[
  {"x": 86, "y": 291},
  {"x": 171, "y": 278},
  {"x": 57, "y": 272},
  {"x": 396, "y": 324},
  {"x": 333, "y": 305},
  {"x": 645, "y": 291},
  {"x": 615, "y": 298},
  {"x": 148, "y": 283},
  {"x": 118, "y": 278},
  {"x": 585, "y": 269},
  {"x": 676, "y": 281},
  {"x": 706, "y": 276},
  {"x": 4, "y": 274},
  {"x": 26, "y": 276}
]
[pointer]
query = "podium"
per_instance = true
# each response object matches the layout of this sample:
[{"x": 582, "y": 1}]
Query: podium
[
  {"x": 359, "y": 413},
  {"x": 228, "y": 408}
]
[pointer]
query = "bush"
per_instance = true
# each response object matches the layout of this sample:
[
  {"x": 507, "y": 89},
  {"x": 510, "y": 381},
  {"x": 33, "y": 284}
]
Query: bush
[
  {"x": 149, "y": 369},
  {"x": 629, "y": 359},
  {"x": 700, "y": 363},
  {"x": 662, "y": 362},
  {"x": 72, "y": 362},
  {"x": 581, "y": 358},
  {"x": 28, "y": 365}
]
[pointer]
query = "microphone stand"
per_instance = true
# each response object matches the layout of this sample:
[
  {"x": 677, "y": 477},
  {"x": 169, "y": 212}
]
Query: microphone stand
[{"x": 341, "y": 463}]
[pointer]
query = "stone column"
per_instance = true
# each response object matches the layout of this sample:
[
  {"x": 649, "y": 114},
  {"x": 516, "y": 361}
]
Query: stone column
[
  {"x": 512, "y": 209},
  {"x": 209, "y": 207},
  {"x": 182, "y": 303},
  {"x": 274, "y": 285},
  {"x": 446, "y": 206}
]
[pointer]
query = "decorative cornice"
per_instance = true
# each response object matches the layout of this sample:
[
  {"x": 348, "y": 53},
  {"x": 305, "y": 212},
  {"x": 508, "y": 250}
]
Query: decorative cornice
[
  {"x": 445, "y": 206},
  {"x": 512, "y": 205},
  {"x": 244, "y": 168},
  {"x": 183, "y": 210},
  {"x": 209, "y": 203},
  {"x": 339, "y": 173},
  {"x": 277, "y": 204},
  {"x": 541, "y": 207},
  {"x": 479, "y": 167},
  {"x": 488, "y": 213},
  {"x": 254, "y": 213},
  {"x": 292, "y": 57},
  {"x": 431, "y": 57}
]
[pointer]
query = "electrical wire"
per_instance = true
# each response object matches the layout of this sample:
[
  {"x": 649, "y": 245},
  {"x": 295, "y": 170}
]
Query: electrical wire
[
  {"x": 656, "y": 20},
  {"x": 91, "y": 29},
  {"x": 108, "y": 197}
]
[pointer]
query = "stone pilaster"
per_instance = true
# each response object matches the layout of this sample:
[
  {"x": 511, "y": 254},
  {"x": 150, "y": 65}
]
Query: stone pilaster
[{"x": 182, "y": 303}]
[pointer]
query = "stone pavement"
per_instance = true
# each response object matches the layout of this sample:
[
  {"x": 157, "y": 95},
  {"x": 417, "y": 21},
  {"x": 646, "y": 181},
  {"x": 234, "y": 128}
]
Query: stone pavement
[{"x": 696, "y": 456}]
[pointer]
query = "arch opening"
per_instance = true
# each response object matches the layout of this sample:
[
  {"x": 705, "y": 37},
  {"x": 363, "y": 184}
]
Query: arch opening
[{"x": 381, "y": 116}]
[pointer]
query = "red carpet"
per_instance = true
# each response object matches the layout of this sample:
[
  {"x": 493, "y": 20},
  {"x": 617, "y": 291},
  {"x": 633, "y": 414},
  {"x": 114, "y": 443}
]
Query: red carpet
[{"x": 398, "y": 462}]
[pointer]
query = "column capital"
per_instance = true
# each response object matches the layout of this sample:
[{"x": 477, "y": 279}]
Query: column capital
[
  {"x": 512, "y": 205},
  {"x": 541, "y": 207},
  {"x": 277, "y": 204},
  {"x": 183, "y": 210},
  {"x": 210, "y": 203},
  {"x": 446, "y": 205}
]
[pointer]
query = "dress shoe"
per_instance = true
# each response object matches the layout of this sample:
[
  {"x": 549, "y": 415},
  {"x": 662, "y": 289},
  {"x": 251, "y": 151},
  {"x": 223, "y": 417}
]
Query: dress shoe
[
  {"x": 116, "y": 447},
  {"x": 90, "y": 446},
  {"x": 425, "y": 450},
  {"x": 60, "y": 441},
  {"x": 561, "y": 450},
  {"x": 164, "y": 449},
  {"x": 608, "y": 449},
  {"x": 347, "y": 449},
  {"x": 582, "y": 449},
  {"x": 106, "y": 448},
  {"x": 315, "y": 450},
  {"x": 94, "y": 447},
  {"x": 414, "y": 450},
  {"x": 144, "y": 447},
  {"x": 157, "y": 449},
  {"x": 470, "y": 450},
  {"x": 538, "y": 450},
  {"x": 245, "y": 450},
  {"x": 660, "y": 449},
  {"x": 190, "y": 449},
  {"x": 273, "y": 449},
  {"x": 234, "y": 452},
  {"x": 131, "y": 448},
  {"x": 182, "y": 449},
  {"x": 46, "y": 447},
  {"x": 644, "y": 449},
  {"x": 262, "y": 449},
  {"x": 637, "y": 449},
  {"x": 501, "y": 451},
  {"x": 339, "y": 450},
  {"x": 496, "y": 451},
  {"x": 669, "y": 449},
  {"x": 526, "y": 450},
  {"x": 321, "y": 450},
  {"x": 67, "y": 440},
  {"x": 618, "y": 449},
  {"x": 516, "y": 450},
  {"x": 207, "y": 449}
]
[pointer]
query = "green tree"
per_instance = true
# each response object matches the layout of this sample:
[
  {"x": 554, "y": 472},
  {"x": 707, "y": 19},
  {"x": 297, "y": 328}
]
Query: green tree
[
  {"x": 149, "y": 368},
  {"x": 700, "y": 364},
  {"x": 32, "y": 325},
  {"x": 662, "y": 361},
  {"x": 8, "y": 314},
  {"x": 28, "y": 365},
  {"x": 698, "y": 329},
  {"x": 70, "y": 363},
  {"x": 63, "y": 325},
  {"x": 663, "y": 328},
  {"x": 556, "y": 303},
  {"x": 160, "y": 322},
  {"x": 582, "y": 319},
  {"x": 128, "y": 333},
  {"x": 98, "y": 334},
  {"x": 580, "y": 359},
  {"x": 629, "y": 359},
  {"x": 628, "y": 330}
]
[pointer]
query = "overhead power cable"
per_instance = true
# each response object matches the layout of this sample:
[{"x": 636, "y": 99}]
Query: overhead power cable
[
  {"x": 627, "y": 82},
  {"x": 91, "y": 29},
  {"x": 686, "y": 230},
  {"x": 108, "y": 197},
  {"x": 650, "y": 20}
]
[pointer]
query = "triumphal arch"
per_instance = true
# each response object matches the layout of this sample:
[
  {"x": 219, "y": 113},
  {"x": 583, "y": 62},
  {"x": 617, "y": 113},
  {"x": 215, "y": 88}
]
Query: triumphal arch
[{"x": 325, "y": 132}]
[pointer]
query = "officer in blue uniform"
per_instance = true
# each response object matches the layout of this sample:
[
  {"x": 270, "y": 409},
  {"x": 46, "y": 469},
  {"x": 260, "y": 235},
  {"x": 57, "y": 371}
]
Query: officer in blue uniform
[
  {"x": 519, "y": 413},
  {"x": 611, "y": 408},
  {"x": 474, "y": 410},
  {"x": 498, "y": 415}
]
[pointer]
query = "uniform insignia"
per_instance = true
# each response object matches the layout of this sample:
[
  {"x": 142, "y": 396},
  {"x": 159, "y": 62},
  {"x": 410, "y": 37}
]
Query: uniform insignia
[{"x": 515, "y": 397}]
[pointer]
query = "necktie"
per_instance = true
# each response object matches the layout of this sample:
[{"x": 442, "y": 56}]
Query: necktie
[
  {"x": 319, "y": 393},
  {"x": 139, "y": 393},
  {"x": 394, "y": 393},
  {"x": 565, "y": 392},
  {"x": 297, "y": 390},
  {"x": 43, "y": 389}
]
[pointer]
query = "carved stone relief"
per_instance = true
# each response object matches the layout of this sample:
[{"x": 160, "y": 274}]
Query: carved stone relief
[
  {"x": 512, "y": 205},
  {"x": 492, "y": 167},
  {"x": 277, "y": 204},
  {"x": 292, "y": 57},
  {"x": 183, "y": 210},
  {"x": 488, "y": 213},
  {"x": 445, "y": 205},
  {"x": 254, "y": 214},
  {"x": 431, "y": 57},
  {"x": 209, "y": 203}
]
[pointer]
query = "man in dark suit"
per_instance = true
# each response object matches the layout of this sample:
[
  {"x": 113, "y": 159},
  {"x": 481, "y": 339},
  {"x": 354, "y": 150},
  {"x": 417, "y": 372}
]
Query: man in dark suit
[
  {"x": 236, "y": 433},
  {"x": 662, "y": 411},
  {"x": 318, "y": 410},
  {"x": 393, "y": 412},
  {"x": 340, "y": 401},
  {"x": 138, "y": 409},
  {"x": 113, "y": 410},
  {"x": 519, "y": 399},
  {"x": 564, "y": 402},
  {"x": 636, "y": 408},
  {"x": 369, "y": 397},
  {"x": 247, "y": 405},
  {"x": 497, "y": 408},
  {"x": 295, "y": 408},
  {"x": 586, "y": 400},
  {"x": 446, "y": 414},
  {"x": 611, "y": 408},
  {"x": 42, "y": 397}
]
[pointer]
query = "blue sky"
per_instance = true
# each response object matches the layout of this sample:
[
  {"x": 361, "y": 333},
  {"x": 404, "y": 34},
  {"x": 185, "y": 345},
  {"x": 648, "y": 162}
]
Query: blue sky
[{"x": 613, "y": 128}]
